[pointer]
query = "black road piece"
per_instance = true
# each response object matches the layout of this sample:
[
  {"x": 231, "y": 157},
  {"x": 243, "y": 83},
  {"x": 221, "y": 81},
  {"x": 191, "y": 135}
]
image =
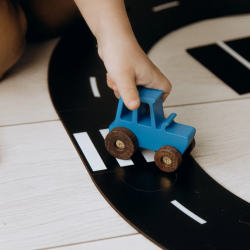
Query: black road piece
[
  {"x": 141, "y": 193},
  {"x": 224, "y": 66}
]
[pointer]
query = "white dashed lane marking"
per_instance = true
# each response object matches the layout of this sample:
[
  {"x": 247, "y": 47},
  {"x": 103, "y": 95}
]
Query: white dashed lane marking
[
  {"x": 234, "y": 54},
  {"x": 149, "y": 155},
  {"x": 122, "y": 163},
  {"x": 95, "y": 161},
  {"x": 188, "y": 212},
  {"x": 89, "y": 151},
  {"x": 94, "y": 86},
  {"x": 165, "y": 6}
]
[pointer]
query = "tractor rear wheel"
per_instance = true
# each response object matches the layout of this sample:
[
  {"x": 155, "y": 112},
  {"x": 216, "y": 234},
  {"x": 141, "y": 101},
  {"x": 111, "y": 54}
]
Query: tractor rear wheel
[
  {"x": 121, "y": 143},
  {"x": 168, "y": 158}
]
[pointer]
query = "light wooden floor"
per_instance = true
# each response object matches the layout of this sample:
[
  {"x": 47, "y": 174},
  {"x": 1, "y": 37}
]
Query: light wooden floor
[{"x": 48, "y": 200}]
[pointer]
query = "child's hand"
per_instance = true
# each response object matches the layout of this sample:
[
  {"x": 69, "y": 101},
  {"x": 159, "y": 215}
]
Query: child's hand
[
  {"x": 128, "y": 66},
  {"x": 126, "y": 63}
]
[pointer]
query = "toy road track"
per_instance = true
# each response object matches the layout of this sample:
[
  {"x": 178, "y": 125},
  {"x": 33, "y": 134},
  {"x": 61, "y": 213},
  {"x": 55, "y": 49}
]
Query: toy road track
[{"x": 182, "y": 210}]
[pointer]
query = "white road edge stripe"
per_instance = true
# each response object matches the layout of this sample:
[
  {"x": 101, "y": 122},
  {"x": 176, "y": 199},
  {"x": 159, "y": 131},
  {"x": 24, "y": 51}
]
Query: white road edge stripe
[
  {"x": 89, "y": 151},
  {"x": 148, "y": 154},
  {"x": 122, "y": 163},
  {"x": 234, "y": 54},
  {"x": 165, "y": 6},
  {"x": 94, "y": 86},
  {"x": 188, "y": 212}
]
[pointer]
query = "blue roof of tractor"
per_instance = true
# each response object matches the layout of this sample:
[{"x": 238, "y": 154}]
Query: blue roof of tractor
[{"x": 149, "y": 96}]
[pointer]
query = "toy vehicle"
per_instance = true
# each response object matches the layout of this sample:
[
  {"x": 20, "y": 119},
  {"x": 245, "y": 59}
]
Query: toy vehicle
[{"x": 146, "y": 127}]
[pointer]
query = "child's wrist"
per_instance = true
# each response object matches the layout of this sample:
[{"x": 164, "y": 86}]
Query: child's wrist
[
  {"x": 105, "y": 37},
  {"x": 116, "y": 40}
]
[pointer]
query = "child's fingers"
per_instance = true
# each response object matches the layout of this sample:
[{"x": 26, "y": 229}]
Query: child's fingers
[
  {"x": 113, "y": 86},
  {"x": 126, "y": 87},
  {"x": 128, "y": 91},
  {"x": 110, "y": 83},
  {"x": 162, "y": 83},
  {"x": 117, "y": 95},
  {"x": 166, "y": 86}
]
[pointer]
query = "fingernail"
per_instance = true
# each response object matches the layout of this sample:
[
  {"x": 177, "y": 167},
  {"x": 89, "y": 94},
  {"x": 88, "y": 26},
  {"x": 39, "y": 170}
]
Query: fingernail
[{"x": 133, "y": 104}]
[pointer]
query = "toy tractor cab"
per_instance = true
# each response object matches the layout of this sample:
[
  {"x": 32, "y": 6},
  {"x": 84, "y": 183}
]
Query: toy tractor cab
[{"x": 146, "y": 127}]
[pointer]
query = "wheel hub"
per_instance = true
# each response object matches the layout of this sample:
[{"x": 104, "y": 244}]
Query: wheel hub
[
  {"x": 166, "y": 160},
  {"x": 120, "y": 144}
]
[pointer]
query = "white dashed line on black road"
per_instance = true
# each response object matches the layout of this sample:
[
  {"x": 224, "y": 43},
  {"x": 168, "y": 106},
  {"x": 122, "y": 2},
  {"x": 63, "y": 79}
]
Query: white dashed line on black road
[
  {"x": 94, "y": 87},
  {"x": 89, "y": 151},
  {"x": 188, "y": 212},
  {"x": 234, "y": 54},
  {"x": 165, "y": 6}
]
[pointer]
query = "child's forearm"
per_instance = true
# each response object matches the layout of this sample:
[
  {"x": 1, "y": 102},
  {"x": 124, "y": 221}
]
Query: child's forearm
[{"x": 106, "y": 18}]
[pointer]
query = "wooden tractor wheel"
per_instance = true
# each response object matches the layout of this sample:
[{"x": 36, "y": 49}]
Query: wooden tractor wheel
[
  {"x": 168, "y": 158},
  {"x": 121, "y": 143}
]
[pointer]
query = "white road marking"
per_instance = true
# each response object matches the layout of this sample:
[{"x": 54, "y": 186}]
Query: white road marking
[
  {"x": 94, "y": 86},
  {"x": 89, "y": 151},
  {"x": 165, "y": 6},
  {"x": 122, "y": 163},
  {"x": 234, "y": 54},
  {"x": 148, "y": 154},
  {"x": 188, "y": 212}
]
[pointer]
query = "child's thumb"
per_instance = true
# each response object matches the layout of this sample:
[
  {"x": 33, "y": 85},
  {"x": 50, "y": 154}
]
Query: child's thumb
[{"x": 128, "y": 91}]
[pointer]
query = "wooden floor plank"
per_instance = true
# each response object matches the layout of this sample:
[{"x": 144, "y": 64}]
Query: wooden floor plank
[
  {"x": 47, "y": 196},
  {"x": 132, "y": 242},
  {"x": 24, "y": 96},
  {"x": 192, "y": 82}
]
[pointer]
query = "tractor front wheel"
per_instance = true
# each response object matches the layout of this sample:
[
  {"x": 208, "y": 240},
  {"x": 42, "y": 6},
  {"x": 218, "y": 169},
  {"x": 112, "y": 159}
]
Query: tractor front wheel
[
  {"x": 121, "y": 143},
  {"x": 168, "y": 158}
]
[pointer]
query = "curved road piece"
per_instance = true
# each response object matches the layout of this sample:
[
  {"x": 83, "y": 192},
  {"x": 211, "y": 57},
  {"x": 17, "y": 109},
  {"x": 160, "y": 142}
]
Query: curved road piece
[{"x": 182, "y": 210}]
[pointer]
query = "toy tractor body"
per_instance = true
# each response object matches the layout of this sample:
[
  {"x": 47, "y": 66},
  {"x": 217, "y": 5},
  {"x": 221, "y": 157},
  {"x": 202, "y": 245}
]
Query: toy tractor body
[{"x": 149, "y": 129}]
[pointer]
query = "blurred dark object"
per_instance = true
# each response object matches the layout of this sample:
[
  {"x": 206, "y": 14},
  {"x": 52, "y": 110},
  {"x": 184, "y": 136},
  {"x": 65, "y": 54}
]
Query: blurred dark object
[{"x": 49, "y": 18}]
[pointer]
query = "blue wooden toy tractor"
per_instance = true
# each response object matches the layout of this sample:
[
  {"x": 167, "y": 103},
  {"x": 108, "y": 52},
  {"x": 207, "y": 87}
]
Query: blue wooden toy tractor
[{"x": 146, "y": 127}]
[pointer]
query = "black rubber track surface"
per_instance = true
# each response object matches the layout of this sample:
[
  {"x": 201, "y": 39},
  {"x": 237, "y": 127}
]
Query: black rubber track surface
[{"x": 141, "y": 193}]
